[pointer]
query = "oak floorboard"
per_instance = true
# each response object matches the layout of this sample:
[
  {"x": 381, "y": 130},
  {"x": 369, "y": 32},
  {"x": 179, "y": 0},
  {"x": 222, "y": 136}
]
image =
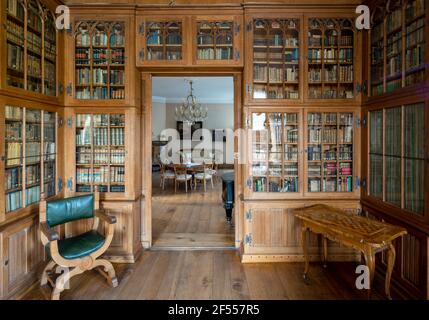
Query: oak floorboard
[{"x": 213, "y": 275}]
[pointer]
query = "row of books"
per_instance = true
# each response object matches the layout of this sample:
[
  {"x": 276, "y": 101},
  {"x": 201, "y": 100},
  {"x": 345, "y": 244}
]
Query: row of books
[
  {"x": 155, "y": 38},
  {"x": 15, "y": 32},
  {"x": 34, "y": 43},
  {"x": 32, "y": 174},
  {"x": 394, "y": 20},
  {"x": 117, "y": 77},
  {"x": 314, "y": 171},
  {"x": 214, "y": 54},
  {"x": 14, "y": 131},
  {"x": 345, "y": 153},
  {"x": 100, "y": 175},
  {"x": 33, "y": 132},
  {"x": 13, "y": 178},
  {"x": 159, "y": 55},
  {"x": 415, "y": 33},
  {"x": 32, "y": 195},
  {"x": 13, "y": 201},
  {"x": 346, "y": 74},
  {"x": 99, "y": 39},
  {"x": 13, "y": 153},
  {"x": 415, "y": 56},
  {"x": 291, "y": 170},
  {"x": 291, "y": 136},
  {"x": 81, "y": 56},
  {"x": 117, "y": 39},
  {"x": 346, "y": 134},
  {"x": 414, "y": 9},
  {"x": 291, "y": 153}
]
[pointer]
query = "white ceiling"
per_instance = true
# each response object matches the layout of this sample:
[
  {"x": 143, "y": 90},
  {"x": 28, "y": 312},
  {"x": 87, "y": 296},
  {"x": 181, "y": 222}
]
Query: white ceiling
[{"x": 206, "y": 89}]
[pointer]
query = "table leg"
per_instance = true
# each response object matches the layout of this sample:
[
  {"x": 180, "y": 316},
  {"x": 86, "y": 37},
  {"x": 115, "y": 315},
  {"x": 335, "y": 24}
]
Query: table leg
[
  {"x": 370, "y": 262},
  {"x": 391, "y": 256},
  {"x": 305, "y": 250},
  {"x": 325, "y": 251}
]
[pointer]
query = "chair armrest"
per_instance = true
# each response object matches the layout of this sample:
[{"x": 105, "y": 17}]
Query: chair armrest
[
  {"x": 49, "y": 233},
  {"x": 103, "y": 216}
]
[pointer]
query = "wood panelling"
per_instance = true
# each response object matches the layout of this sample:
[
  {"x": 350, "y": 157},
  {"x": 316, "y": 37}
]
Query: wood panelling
[
  {"x": 126, "y": 246},
  {"x": 410, "y": 274},
  {"x": 272, "y": 233},
  {"x": 21, "y": 256}
]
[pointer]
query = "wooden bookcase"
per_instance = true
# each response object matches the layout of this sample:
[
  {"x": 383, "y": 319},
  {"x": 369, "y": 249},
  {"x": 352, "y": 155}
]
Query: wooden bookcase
[
  {"x": 397, "y": 45},
  {"x": 31, "y": 154},
  {"x": 162, "y": 41},
  {"x": 303, "y": 153},
  {"x": 30, "y": 47},
  {"x": 102, "y": 70},
  {"x": 298, "y": 58},
  {"x": 217, "y": 40}
]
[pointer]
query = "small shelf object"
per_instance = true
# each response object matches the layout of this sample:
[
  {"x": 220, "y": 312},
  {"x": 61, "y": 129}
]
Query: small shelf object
[
  {"x": 100, "y": 60},
  {"x": 100, "y": 152},
  {"x": 275, "y": 152},
  {"x": 30, "y": 164},
  {"x": 276, "y": 56},
  {"x": 331, "y": 59},
  {"x": 215, "y": 40},
  {"x": 330, "y": 151},
  {"x": 33, "y": 19}
]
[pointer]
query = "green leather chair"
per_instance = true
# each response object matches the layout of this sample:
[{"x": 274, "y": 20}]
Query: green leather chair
[{"x": 79, "y": 253}]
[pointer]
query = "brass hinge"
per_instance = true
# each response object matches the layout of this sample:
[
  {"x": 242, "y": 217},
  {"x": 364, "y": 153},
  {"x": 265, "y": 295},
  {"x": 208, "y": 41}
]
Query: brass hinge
[
  {"x": 70, "y": 122},
  {"x": 237, "y": 55},
  {"x": 358, "y": 122},
  {"x": 237, "y": 28},
  {"x": 60, "y": 184},
  {"x": 141, "y": 54},
  {"x": 249, "y": 89},
  {"x": 70, "y": 184},
  {"x": 69, "y": 89},
  {"x": 141, "y": 28},
  {"x": 249, "y": 183},
  {"x": 248, "y": 239},
  {"x": 60, "y": 122},
  {"x": 249, "y": 215},
  {"x": 249, "y": 26}
]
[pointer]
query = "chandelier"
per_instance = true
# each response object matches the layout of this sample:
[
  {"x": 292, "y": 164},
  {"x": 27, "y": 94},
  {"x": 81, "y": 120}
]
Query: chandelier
[{"x": 190, "y": 111}]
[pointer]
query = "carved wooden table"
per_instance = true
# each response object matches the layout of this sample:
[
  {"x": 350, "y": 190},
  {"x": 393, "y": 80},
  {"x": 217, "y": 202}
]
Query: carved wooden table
[{"x": 363, "y": 234}]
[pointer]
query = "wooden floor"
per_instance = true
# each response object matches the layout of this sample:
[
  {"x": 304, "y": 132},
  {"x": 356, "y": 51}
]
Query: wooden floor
[
  {"x": 212, "y": 275},
  {"x": 189, "y": 220}
]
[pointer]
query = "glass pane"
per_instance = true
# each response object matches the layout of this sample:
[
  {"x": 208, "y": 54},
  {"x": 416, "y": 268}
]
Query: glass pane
[
  {"x": 414, "y": 185},
  {"x": 83, "y": 153},
  {"x": 376, "y": 176},
  {"x": 415, "y": 133},
  {"x": 49, "y": 154},
  {"x": 393, "y": 180},
  {"x": 15, "y": 44},
  {"x": 13, "y": 161},
  {"x": 33, "y": 132},
  {"x": 376, "y": 132}
]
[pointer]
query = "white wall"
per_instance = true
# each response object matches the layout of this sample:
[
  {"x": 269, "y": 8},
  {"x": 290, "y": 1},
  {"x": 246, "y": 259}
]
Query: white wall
[{"x": 220, "y": 116}]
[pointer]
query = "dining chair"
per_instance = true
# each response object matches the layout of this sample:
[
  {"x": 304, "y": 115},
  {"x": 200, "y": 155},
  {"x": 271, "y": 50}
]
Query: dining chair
[
  {"x": 165, "y": 174},
  {"x": 182, "y": 176},
  {"x": 204, "y": 176}
]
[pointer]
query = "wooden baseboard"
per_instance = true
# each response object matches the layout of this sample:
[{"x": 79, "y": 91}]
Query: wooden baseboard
[{"x": 268, "y": 258}]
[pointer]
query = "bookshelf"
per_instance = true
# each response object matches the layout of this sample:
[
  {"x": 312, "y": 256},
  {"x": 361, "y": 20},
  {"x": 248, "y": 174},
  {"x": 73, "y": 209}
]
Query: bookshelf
[
  {"x": 397, "y": 46},
  {"x": 163, "y": 40},
  {"x": 100, "y": 153},
  {"x": 100, "y": 60},
  {"x": 397, "y": 157},
  {"x": 331, "y": 59},
  {"x": 215, "y": 40},
  {"x": 276, "y": 55},
  {"x": 415, "y": 17},
  {"x": 30, "y": 162},
  {"x": 28, "y": 55},
  {"x": 330, "y": 148},
  {"x": 275, "y": 152}
]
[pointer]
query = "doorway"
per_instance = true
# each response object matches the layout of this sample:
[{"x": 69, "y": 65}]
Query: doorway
[{"x": 190, "y": 214}]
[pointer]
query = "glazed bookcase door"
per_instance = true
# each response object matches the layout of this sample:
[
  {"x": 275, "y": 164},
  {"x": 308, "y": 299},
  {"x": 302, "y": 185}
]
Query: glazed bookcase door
[
  {"x": 100, "y": 60},
  {"x": 100, "y": 153},
  {"x": 30, "y": 47},
  {"x": 217, "y": 41},
  {"x": 331, "y": 145},
  {"x": 398, "y": 46},
  {"x": 275, "y": 156},
  {"x": 275, "y": 48},
  {"x": 397, "y": 164},
  {"x": 331, "y": 62},
  {"x": 30, "y": 165},
  {"x": 162, "y": 41}
]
